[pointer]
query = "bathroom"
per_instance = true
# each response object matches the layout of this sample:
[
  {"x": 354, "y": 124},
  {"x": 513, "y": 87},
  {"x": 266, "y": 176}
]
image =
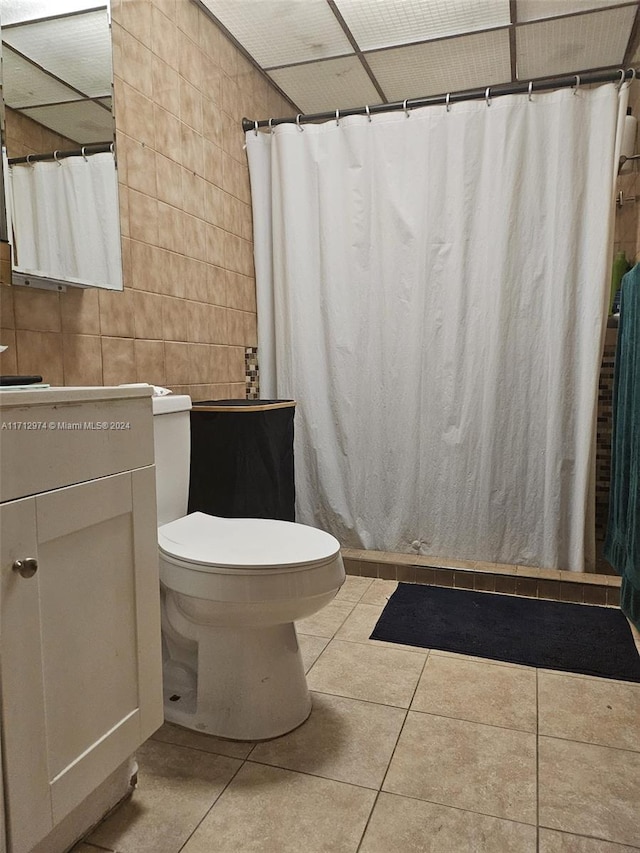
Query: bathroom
[{"x": 532, "y": 771}]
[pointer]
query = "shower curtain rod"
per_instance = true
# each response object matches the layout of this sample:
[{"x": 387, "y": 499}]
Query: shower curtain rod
[
  {"x": 94, "y": 148},
  {"x": 486, "y": 92}
]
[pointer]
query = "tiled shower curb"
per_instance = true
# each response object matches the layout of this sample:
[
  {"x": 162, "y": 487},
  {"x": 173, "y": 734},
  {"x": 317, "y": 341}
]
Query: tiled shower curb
[{"x": 550, "y": 584}]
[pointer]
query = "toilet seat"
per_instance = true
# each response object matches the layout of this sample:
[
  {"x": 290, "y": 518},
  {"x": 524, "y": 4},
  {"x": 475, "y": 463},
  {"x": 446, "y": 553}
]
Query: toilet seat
[{"x": 208, "y": 543}]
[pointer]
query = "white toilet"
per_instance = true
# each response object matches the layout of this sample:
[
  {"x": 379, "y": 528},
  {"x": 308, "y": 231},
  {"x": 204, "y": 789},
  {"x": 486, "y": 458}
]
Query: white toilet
[{"x": 231, "y": 591}]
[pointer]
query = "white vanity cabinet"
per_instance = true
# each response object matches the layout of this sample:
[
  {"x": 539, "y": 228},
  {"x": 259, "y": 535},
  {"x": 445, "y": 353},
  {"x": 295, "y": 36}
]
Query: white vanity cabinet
[{"x": 80, "y": 655}]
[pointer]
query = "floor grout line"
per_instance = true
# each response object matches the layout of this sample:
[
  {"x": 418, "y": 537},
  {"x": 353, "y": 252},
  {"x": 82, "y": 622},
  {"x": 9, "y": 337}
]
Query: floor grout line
[
  {"x": 456, "y": 808},
  {"x": 368, "y": 821},
  {"x": 358, "y": 699},
  {"x": 213, "y": 804},
  {"x": 591, "y": 743},
  {"x": 473, "y": 722},
  {"x": 263, "y": 763},
  {"x": 395, "y": 746},
  {"x": 205, "y": 751},
  {"x": 623, "y": 845}
]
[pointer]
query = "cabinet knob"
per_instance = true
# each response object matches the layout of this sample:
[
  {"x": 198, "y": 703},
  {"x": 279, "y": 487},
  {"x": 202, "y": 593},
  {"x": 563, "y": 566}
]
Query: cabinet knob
[{"x": 27, "y": 567}]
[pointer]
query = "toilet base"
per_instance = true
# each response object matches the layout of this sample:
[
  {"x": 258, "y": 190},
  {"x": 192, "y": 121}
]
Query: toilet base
[{"x": 250, "y": 683}]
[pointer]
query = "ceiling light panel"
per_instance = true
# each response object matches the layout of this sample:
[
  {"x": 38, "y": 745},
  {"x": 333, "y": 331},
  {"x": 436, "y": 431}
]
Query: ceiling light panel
[
  {"x": 568, "y": 45},
  {"x": 82, "y": 122},
  {"x": 281, "y": 32},
  {"x": 383, "y": 23},
  {"x": 25, "y": 84},
  {"x": 329, "y": 85},
  {"x": 77, "y": 49},
  {"x": 535, "y": 10},
  {"x": 450, "y": 65}
]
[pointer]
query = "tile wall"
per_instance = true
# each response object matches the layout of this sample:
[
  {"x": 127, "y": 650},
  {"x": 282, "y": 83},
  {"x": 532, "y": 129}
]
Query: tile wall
[
  {"x": 188, "y": 311},
  {"x": 25, "y": 136},
  {"x": 252, "y": 374}
]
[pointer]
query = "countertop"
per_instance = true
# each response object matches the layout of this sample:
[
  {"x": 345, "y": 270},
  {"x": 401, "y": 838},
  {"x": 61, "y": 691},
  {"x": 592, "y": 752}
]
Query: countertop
[{"x": 10, "y": 398}]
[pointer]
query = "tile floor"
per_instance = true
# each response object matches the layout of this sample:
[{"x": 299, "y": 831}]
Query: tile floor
[{"x": 406, "y": 750}]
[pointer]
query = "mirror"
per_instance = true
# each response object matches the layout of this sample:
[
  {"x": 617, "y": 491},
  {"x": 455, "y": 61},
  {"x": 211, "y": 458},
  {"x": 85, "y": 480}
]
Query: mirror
[
  {"x": 4, "y": 234},
  {"x": 58, "y": 132}
]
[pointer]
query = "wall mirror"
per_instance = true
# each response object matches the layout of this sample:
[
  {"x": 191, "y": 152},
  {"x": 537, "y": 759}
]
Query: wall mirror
[{"x": 60, "y": 170}]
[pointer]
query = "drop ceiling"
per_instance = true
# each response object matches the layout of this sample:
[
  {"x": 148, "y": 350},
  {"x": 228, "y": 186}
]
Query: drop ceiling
[
  {"x": 56, "y": 66},
  {"x": 338, "y": 54},
  {"x": 322, "y": 54}
]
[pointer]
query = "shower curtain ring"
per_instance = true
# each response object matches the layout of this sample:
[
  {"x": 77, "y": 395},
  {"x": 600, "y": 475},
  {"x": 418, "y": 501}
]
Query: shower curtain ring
[
  {"x": 337, "y": 118},
  {"x": 633, "y": 74},
  {"x": 298, "y": 122},
  {"x": 487, "y": 96},
  {"x": 448, "y": 102},
  {"x": 405, "y": 107},
  {"x": 29, "y": 163},
  {"x": 255, "y": 127},
  {"x": 623, "y": 74},
  {"x": 270, "y": 125},
  {"x": 530, "y": 89},
  {"x": 368, "y": 111},
  {"x": 55, "y": 157},
  {"x": 84, "y": 156},
  {"x": 575, "y": 91}
]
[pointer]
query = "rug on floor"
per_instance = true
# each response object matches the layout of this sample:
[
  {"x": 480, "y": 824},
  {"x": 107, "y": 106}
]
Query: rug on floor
[{"x": 580, "y": 638}]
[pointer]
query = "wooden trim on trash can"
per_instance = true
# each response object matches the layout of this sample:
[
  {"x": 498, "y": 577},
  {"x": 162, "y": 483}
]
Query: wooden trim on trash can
[{"x": 265, "y": 407}]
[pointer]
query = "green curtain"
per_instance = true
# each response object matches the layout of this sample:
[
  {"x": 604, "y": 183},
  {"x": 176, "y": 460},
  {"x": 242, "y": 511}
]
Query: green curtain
[{"x": 622, "y": 544}]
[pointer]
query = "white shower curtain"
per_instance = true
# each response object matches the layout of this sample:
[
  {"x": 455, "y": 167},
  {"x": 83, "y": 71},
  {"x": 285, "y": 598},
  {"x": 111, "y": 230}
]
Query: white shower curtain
[
  {"x": 435, "y": 289},
  {"x": 66, "y": 220}
]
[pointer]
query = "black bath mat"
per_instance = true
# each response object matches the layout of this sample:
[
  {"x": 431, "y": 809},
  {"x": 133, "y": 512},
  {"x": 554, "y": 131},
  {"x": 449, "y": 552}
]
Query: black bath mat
[{"x": 549, "y": 634}]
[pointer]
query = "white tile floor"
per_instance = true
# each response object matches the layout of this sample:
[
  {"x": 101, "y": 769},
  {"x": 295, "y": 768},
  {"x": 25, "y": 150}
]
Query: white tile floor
[{"x": 406, "y": 750}]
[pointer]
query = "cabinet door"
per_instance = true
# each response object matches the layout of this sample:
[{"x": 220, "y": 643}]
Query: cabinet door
[
  {"x": 92, "y": 689},
  {"x": 28, "y": 809}
]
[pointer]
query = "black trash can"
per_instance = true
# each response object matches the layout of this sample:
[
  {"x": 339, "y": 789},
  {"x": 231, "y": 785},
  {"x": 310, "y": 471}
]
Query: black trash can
[{"x": 242, "y": 459}]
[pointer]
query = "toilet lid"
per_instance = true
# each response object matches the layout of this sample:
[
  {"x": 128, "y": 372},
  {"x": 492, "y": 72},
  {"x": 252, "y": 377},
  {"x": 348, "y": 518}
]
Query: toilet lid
[{"x": 244, "y": 543}]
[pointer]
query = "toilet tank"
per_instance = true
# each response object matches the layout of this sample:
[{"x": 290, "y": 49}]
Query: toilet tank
[{"x": 171, "y": 438}]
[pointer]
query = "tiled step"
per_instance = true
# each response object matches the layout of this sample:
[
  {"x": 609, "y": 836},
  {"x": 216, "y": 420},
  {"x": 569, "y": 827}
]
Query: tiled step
[{"x": 553, "y": 584}]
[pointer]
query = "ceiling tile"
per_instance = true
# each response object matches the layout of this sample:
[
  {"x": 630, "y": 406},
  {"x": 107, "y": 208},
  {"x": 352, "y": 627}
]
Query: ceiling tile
[
  {"x": 534, "y": 10},
  {"x": 382, "y": 23},
  {"x": 328, "y": 85},
  {"x": 27, "y": 10},
  {"x": 24, "y": 84},
  {"x": 76, "y": 49},
  {"x": 281, "y": 32},
  {"x": 83, "y": 122},
  {"x": 567, "y": 45},
  {"x": 450, "y": 65}
]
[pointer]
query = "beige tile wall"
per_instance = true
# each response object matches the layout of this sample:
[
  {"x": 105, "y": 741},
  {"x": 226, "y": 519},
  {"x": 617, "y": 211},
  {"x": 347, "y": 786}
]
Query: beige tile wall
[
  {"x": 25, "y": 136},
  {"x": 188, "y": 308}
]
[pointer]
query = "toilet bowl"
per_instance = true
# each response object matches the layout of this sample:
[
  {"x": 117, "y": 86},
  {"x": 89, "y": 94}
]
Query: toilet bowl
[{"x": 232, "y": 589}]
